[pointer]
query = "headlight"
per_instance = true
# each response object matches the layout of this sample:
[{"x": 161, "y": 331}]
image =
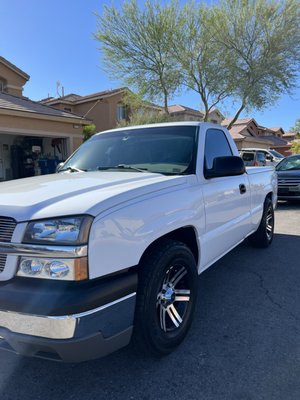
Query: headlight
[
  {"x": 62, "y": 269},
  {"x": 64, "y": 230}
]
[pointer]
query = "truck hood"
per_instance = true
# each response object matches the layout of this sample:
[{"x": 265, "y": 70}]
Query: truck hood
[{"x": 77, "y": 193}]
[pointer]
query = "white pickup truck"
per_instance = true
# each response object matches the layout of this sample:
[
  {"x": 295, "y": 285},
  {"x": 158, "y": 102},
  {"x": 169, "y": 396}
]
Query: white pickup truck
[{"x": 111, "y": 246}]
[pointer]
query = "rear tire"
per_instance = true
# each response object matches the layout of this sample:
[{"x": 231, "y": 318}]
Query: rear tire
[
  {"x": 264, "y": 235},
  {"x": 166, "y": 298}
]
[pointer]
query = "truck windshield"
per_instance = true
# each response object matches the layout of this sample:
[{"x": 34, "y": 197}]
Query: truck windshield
[
  {"x": 276, "y": 154},
  {"x": 167, "y": 150}
]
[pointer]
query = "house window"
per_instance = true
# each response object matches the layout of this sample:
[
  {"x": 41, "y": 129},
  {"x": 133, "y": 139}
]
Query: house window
[
  {"x": 2, "y": 85},
  {"x": 68, "y": 109},
  {"x": 121, "y": 112}
]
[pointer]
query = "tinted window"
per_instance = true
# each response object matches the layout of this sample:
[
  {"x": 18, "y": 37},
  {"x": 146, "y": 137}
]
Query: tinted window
[
  {"x": 216, "y": 145},
  {"x": 248, "y": 156},
  {"x": 261, "y": 156}
]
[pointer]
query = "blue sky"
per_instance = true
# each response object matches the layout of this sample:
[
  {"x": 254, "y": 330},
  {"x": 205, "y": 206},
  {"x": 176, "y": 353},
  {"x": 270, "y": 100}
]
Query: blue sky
[{"x": 53, "y": 41}]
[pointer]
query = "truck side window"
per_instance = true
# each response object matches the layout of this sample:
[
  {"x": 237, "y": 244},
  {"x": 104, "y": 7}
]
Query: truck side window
[{"x": 216, "y": 145}]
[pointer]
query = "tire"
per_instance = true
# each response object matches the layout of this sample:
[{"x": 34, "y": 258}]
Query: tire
[
  {"x": 166, "y": 298},
  {"x": 264, "y": 235}
]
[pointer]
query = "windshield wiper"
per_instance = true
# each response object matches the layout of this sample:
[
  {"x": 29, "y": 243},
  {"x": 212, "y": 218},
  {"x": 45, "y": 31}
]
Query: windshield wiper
[
  {"x": 123, "y": 166},
  {"x": 72, "y": 169}
]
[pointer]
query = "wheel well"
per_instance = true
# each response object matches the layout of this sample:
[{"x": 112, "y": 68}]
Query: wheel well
[
  {"x": 186, "y": 235},
  {"x": 270, "y": 196}
]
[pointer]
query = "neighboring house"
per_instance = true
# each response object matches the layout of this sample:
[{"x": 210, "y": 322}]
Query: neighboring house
[
  {"x": 105, "y": 108},
  {"x": 30, "y": 131},
  {"x": 276, "y": 136},
  {"x": 247, "y": 133},
  {"x": 215, "y": 116},
  {"x": 183, "y": 113},
  {"x": 289, "y": 136}
]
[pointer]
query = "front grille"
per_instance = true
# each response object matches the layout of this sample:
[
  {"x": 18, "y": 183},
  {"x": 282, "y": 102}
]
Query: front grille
[
  {"x": 2, "y": 262},
  {"x": 289, "y": 182},
  {"x": 7, "y": 227}
]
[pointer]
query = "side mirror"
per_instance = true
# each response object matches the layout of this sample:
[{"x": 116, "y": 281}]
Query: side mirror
[
  {"x": 59, "y": 166},
  {"x": 226, "y": 166}
]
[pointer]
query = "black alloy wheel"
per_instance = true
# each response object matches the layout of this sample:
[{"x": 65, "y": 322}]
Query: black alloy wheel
[
  {"x": 264, "y": 234},
  {"x": 166, "y": 297}
]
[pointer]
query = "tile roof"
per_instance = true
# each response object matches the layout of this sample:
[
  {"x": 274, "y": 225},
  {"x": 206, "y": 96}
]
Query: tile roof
[
  {"x": 289, "y": 135},
  {"x": 14, "y": 103},
  {"x": 242, "y": 121},
  {"x": 239, "y": 126},
  {"x": 276, "y": 141},
  {"x": 73, "y": 97},
  {"x": 235, "y": 132},
  {"x": 177, "y": 108},
  {"x": 216, "y": 110}
]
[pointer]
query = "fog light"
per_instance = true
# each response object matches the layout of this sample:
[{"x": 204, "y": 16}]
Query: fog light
[
  {"x": 57, "y": 269},
  {"x": 32, "y": 267}
]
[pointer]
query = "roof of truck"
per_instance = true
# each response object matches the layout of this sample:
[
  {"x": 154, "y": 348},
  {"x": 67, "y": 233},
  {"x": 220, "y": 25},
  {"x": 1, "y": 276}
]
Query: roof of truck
[{"x": 165, "y": 124}]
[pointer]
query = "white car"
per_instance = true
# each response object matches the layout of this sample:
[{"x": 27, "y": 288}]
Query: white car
[
  {"x": 273, "y": 157},
  {"x": 112, "y": 244}
]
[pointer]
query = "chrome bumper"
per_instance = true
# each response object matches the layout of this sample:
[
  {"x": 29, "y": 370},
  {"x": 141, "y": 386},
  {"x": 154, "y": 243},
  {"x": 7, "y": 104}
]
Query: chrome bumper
[{"x": 69, "y": 326}]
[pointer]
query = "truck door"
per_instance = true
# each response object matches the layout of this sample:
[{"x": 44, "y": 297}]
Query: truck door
[{"x": 226, "y": 202}]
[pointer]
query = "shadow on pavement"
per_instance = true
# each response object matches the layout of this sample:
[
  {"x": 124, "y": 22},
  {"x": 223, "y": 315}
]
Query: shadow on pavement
[{"x": 244, "y": 343}]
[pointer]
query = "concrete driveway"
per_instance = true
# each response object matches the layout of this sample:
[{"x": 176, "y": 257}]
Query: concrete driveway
[{"x": 244, "y": 343}]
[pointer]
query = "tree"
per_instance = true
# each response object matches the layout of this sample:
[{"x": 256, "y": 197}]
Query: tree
[
  {"x": 142, "y": 112},
  {"x": 295, "y": 147},
  {"x": 296, "y": 128},
  {"x": 263, "y": 38},
  {"x": 202, "y": 60},
  {"x": 136, "y": 44},
  {"x": 245, "y": 50},
  {"x": 88, "y": 131}
]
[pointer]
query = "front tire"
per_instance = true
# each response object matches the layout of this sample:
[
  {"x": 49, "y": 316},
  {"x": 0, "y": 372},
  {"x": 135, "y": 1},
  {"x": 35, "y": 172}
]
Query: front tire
[
  {"x": 166, "y": 297},
  {"x": 264, "y": 235}
]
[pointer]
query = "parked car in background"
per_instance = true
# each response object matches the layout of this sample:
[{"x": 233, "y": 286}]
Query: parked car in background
[
  {"x": 288, "y": 172},
  {"x": 253, "y": 158},
  {"x": 273, "y": 157}
]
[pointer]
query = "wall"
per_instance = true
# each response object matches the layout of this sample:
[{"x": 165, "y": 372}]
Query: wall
[
  {"x": 15, "y": 82},
  {"x": 104, "y": 114}
]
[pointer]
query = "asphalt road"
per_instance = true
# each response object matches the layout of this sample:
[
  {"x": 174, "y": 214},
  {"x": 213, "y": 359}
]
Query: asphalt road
[{"x": 244, "y": 343}]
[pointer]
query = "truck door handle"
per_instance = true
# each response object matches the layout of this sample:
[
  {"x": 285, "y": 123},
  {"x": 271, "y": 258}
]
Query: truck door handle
[{"x": 242, "y": 188}]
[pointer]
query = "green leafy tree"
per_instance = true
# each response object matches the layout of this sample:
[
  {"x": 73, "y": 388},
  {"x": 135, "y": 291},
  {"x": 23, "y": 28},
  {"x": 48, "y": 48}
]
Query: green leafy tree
[
  {"x": 88, "y": 131},
  {"x": 296, "y": 128},
  {"x": 203, "y": 61},
  {"x": 136, "y": 43},
  {"x": 263, "y": 38},
  {"x": 295, "y": 146},
  {"x": 245, "y": 51},
  {"x": 146, "y": 117},
  {"x": 142, "y": 112}
]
